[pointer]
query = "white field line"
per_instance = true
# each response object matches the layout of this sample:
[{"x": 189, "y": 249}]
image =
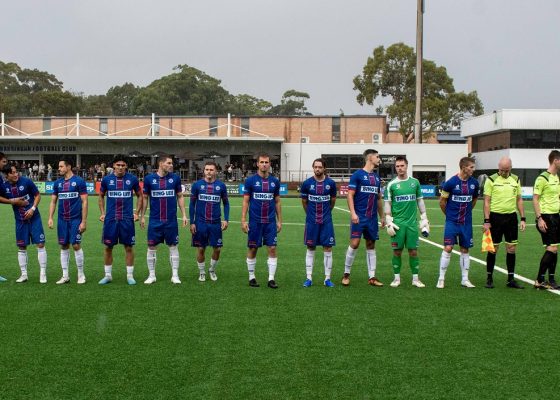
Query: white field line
[{"x": 478, "y": 260}]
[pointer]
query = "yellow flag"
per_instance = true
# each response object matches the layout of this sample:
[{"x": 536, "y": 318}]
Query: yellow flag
[{"x": 487, "y": 244}]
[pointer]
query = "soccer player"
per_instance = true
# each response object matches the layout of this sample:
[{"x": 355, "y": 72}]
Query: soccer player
[
  {"x": 402, "y": 195},
  {"x": 458, "y": 198},
  {"x": 118, "y": 219},
  {"x": 71, "y": 192},
  {"x": 164, "y": 190},
  {"x": 546, "y": 202},
  {"x": 205, "y": 216},
  {"x": 364, "y": 202},
  {"x": 502, "y": 200},
  {"x": 318, "y": 197},
  {"x": 29, "y": 227},
  {"x": 14, "y": 202},
  {"x": 261, "y": 197}
]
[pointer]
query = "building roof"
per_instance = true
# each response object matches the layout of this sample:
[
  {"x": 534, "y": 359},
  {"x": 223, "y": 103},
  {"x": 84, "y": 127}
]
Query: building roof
[{"x": 511, "y": 119}]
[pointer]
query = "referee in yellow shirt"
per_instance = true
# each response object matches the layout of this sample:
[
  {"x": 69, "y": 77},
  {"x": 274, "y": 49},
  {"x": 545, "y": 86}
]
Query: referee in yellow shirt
[
  {"x": 502, "y": 200},
  {"x": 546, "y": 202}
]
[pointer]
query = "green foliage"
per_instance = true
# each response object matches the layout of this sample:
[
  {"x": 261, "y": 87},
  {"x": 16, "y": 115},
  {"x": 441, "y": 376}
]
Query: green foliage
[
  {"x": 292, "y": 103},
  {"x": 245, "y": 104},
  {"x": 122, "y": 98},
  {"x": 391, "y": 73}
]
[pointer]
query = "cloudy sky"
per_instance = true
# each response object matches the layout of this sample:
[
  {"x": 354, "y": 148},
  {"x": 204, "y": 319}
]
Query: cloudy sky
[{"x": 507, "y": 50}]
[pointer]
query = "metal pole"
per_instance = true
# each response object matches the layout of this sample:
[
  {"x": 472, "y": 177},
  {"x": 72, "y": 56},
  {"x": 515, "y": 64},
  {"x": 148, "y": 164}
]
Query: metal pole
[
  {"x": 153, "y": 124},
  {"x": 77, "y": 124},
  {"x": 300, "y": 148},
  {"x": 228, "y": 125},
  {"x": 2, "y": 124},
  {"x": 419, "y": 56}
]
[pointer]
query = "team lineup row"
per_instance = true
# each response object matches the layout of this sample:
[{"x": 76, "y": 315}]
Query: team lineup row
[{"x": 396, "y": 208}]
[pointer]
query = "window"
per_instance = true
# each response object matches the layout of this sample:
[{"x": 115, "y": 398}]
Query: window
[
  {"x": 213, "y": 125},
  {"x": 245, "y": 126},
  {"x": 336, "y": 129},
  {"x": 46, "y": 126},
  {"x": 103, "y": 127}
]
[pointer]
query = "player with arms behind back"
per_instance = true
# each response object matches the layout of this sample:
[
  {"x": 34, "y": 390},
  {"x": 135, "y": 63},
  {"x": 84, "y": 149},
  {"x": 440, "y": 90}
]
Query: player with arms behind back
[
  {"x": 318, "y": 197},
  {"x": 458, "y": 198}
]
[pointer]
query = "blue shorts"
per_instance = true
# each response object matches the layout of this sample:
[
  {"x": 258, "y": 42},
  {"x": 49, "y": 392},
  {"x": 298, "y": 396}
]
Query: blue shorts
[
  {"x": 207, "y": 234},
  {"x": 159, "y": 232},
  {"x": 115, "y": 232},
  {"x": 319, "y": 234},
  {"x": 69, "y": 231},
  {"x": 261, "y": 234},
  {"x": 30, "y": 231},
  {"x": 366, "y": 227},
  {"x": 458, "y": 233}
]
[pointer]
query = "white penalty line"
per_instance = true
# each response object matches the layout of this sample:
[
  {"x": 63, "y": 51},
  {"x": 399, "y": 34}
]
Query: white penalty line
[{"x": 478, "y": 260}]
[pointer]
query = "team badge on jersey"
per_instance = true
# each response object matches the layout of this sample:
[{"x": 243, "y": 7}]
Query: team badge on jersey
[
  {"x": 73, "y": 183},
  {"x": 128, "y": 182},
  {"x": 21, "y": 188},
  {"x": 170, "y": 180}
]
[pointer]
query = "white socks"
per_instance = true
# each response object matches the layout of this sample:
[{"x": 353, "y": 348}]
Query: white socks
[
  {"x": 42, "y": 257},
  {"x": 108, "y": 270},
  {"x": 465, "y": 262},
  {"x": 151, "y": 258},
  {"x": 22, "y": 260},
  {"x": 130, "y": 271},
  {"x": 251, "y": 263},
  {"x": 327, "y": 261},
  {"x": 79, "y": 256},
  {"x": 64, "y": 261},
  {"x": 213, "y": 264},
  {"x": 444, "y": 263},
  {"x": 350, "y": 255},
  {"x": 201, "y": 267},
  {"x": 174, "y": 260},
  {"x": 272, "y": 263},
  {"x": 371, "y": 258},
  {"x": 309, "y": 260}
]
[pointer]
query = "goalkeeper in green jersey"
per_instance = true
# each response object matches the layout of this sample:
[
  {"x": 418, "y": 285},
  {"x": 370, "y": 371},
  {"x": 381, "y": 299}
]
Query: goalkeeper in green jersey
[{"x": 402, "y": 195}]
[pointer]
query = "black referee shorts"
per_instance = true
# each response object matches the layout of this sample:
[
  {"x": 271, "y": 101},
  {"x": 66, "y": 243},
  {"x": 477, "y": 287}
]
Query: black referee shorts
[
  {"x": 503, "y": 226},
  {"x": 552, "y": 234}
]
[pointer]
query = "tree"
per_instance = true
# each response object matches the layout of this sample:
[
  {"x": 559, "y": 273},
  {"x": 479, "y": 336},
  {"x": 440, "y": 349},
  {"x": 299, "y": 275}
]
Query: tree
[
  {"x": 122, "y": 97},
  {"x": 391, "y": 73},
  {"x": 292, "y": 103},
  {"x": 188, "y": 91},
  {"x": 245, "y": 104}
]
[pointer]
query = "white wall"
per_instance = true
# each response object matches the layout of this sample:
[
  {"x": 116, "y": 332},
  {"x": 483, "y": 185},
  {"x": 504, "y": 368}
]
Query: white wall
[
  {"x": 520, "y": 158},
  {"x": 427, "y": 157}
]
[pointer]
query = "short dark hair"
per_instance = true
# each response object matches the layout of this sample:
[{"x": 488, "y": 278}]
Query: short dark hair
[
  {"x": 2, "y": 156},
  {"x": 8, "y": 169},
  {"x": 263, "y": 154},
  {"x": 368, "y": 152},
  {"x": 211, "y": 163},
  {"x": 463, "y": 162},
  {"x": 120, "y": 157},
  {"x": 162, "y": 157},
  {"x": 68, "y": 161},
  {"x": 401, "y": 158},
  {"x": 554, "y": 155},
  {"x": 321, "y": 160}
]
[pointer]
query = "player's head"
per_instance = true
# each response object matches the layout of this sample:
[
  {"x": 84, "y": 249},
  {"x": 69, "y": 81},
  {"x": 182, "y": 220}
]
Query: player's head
[
  {"x": 466, "y": 164},
  {"x": 401, "y": 166},
  {"x": 65, "y": 166},
  {"x": 263, "y": 163},
  {"x": 371, "y": 158},
  {"x": 3, "y": 160},
  {"x": 554, "y": 158},
  {"x": 11, "y": 172},
  {"x": 319, "y": 167},
  {"x": 504, "y": 167},
  {"x": 165, "y": 163},
  {"x": 120, "y": 162},
  {"x": 210, "y": 171}
]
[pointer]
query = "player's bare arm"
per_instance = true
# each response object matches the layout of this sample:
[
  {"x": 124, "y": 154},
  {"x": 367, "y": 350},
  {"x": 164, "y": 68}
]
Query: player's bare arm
[
  {"x": 101, "y": 204},
  {"x": 278, "y": 207},
  {"x": 83, "y": 224},
  {"x": 29, "y": 213},
  {"x": 350, "y": 200},
  {"x": 52, "y": 208},
  {"x": 143, "y": 212},
  {"x": 244, "y": 209}
]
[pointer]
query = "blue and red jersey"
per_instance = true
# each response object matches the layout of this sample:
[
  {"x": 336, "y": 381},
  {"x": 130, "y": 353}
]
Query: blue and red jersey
[
  {"x": 163, "y": 192},
  {"x": 262, "y": 193},
  {"x": 367, "y": 189},
  {"x": 318, "y": 195},
  {"x": 69, "y": 200},
  {"x": 24, "y": 187},
  {"x": 461, "y": 195},
  {"x": 206, "y": 197},
  {"x": 120, "y": 196}
]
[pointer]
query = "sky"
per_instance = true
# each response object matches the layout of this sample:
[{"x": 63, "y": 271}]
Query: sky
[{"x": 506, "y": 50}]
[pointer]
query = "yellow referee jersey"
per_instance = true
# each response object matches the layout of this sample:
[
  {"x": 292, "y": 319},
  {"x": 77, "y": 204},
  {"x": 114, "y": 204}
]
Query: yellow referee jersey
[
  {"x": 547, "y": 186},
  {"x": 503, "y": 193}
]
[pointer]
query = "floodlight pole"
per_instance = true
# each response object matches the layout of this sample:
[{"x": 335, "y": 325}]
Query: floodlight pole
[
  {"x": 228, "y": 125},
  {"x": 77, "y": 124},
  {"x": 300, "y": 148},
  {"x": 2, "y": 124},
  {"x": 419, "y": 56},
  {"x": 153, "y": 124}
]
